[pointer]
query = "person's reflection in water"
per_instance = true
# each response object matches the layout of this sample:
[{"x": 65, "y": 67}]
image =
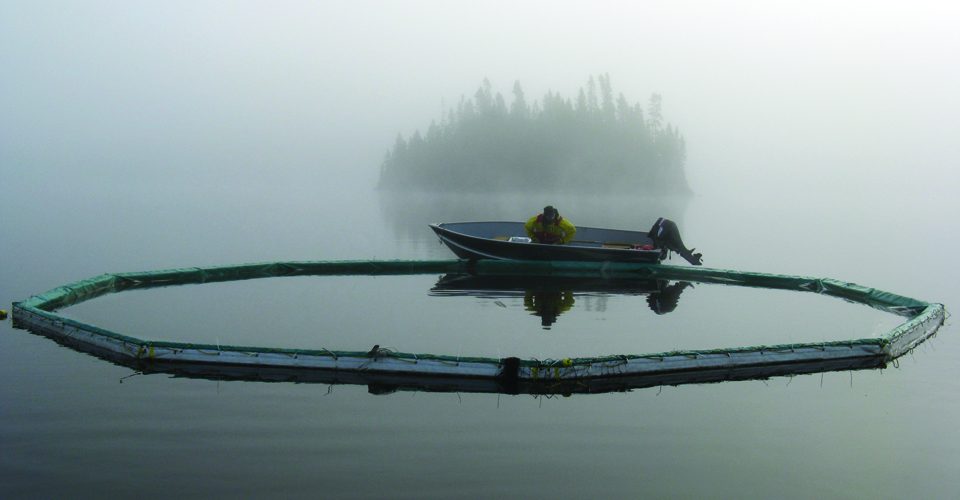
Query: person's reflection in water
[
  {"x": 666, "y": 299},
  {"x": 548, "y": 304}
]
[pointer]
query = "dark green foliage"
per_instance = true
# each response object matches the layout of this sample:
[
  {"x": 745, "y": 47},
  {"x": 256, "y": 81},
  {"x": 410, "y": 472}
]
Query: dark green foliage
[{"x": 599, "y": 143}]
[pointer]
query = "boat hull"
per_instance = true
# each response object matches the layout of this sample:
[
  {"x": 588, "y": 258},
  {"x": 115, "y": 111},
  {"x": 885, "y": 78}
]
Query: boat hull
[
  {"x": 490, "y": 240},
  {"x": 489, "y": 286}
]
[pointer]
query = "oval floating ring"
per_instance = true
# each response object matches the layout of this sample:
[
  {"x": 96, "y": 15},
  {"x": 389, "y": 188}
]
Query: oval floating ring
[{"x": 38, "y": 314}]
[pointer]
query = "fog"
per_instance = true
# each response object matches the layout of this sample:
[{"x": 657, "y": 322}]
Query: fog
[
  {"x": 781, "y": 95},
  {"x": 134, "y": 135}
]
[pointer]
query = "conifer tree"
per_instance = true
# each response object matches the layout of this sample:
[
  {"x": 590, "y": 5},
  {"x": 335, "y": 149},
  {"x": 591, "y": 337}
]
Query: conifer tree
[{"x": 593, "y": 144}]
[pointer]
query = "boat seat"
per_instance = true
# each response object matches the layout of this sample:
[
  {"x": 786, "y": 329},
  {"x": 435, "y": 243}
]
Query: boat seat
[{"x": 619, "y": 246}]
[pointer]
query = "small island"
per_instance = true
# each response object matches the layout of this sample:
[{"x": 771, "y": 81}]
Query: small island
[{"x": 594, "y": 143}]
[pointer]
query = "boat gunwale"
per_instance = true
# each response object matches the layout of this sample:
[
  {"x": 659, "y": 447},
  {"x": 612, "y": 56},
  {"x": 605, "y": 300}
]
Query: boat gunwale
[{"x": 600, "y": 250}]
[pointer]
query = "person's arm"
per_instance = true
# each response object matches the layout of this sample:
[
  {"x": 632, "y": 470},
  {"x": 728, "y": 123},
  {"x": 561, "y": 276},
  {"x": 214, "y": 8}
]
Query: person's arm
[
  {"x": 529, "y": 227},
  {"x": 569, "y": 230}
]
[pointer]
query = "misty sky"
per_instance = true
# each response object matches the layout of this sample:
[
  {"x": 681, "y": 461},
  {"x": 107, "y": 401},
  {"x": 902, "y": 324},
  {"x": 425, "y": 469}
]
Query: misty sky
[{"x": 767, "y": 93}]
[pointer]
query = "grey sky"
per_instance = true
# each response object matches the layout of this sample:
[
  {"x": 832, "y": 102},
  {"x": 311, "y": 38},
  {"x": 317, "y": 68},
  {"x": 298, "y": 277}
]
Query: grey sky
[{"x": 765, "y": 92}]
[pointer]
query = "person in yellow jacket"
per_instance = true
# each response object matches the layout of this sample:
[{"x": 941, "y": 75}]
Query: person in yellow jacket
[{"x": 549, "y": 228}]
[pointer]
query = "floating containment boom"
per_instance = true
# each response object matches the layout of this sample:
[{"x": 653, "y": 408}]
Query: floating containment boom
[{"x": 510, "y": 374}]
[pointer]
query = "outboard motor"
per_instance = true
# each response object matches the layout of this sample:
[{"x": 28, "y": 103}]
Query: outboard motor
[{"x": 665, "y": 234}]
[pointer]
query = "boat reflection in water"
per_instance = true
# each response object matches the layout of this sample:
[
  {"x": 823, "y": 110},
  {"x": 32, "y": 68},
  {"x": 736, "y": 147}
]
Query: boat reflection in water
[{"x": 550, "y": 296}]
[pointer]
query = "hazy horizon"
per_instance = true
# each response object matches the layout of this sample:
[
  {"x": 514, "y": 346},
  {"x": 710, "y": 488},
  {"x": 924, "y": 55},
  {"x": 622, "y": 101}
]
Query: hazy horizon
[
  {"x": 139, "y": 136},
  {"x": 767, "y": 95}
]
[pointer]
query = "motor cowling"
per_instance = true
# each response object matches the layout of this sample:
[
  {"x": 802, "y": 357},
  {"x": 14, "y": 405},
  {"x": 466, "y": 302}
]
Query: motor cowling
[{"x": 666, "y": 234}]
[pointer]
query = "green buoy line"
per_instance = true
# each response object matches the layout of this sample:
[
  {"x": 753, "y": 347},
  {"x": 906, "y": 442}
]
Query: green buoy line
[{"x": 38, "y": 313}]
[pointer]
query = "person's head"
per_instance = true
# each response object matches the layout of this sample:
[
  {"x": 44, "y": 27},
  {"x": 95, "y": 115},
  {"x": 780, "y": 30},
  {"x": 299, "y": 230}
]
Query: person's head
[{"x": 550, "y": 214}]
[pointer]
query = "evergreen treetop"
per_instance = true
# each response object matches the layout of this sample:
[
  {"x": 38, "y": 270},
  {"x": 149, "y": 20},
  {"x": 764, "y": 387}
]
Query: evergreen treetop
[{"x": 597, "y": 143}]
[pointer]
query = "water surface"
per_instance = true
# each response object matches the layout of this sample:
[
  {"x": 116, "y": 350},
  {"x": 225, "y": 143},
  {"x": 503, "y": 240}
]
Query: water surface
[{"x": 77, "y": 425}]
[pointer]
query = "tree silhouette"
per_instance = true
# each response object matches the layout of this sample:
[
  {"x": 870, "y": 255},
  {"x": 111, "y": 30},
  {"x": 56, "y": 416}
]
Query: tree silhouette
[{"x": 598, "y": 143}]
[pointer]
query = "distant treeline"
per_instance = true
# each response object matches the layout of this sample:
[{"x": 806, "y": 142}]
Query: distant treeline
[{"x": 595, "y": 143}]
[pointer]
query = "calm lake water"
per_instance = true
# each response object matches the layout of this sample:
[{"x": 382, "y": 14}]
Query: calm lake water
[{"x": 72, "y": 425}]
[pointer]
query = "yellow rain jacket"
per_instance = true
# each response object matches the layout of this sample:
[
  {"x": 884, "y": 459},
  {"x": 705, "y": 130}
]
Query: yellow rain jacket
[{"x": 560, "y": 232}]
